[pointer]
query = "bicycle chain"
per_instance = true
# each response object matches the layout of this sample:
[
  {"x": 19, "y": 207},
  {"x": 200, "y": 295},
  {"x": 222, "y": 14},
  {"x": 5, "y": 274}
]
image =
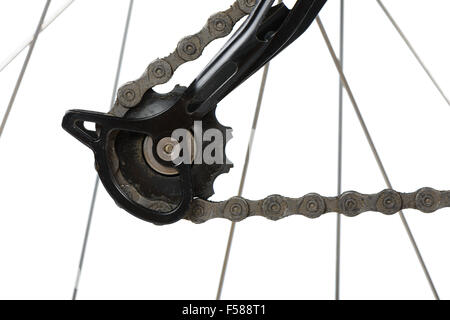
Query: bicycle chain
[
  {"x": 188, "y": 49},
  {"x": 350, "y": 204},
  {"x": 274, "y": 207}
]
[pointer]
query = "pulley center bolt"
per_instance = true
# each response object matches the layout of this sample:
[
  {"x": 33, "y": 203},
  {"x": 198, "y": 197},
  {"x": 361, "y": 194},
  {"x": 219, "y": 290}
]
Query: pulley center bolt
[
  {"x": 165, "y": 148},
  {"x": 168, "y": 148},
  {"x": 250, "y": 3}
]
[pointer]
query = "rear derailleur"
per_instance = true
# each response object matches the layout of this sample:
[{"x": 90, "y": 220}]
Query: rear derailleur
[{"x": 158, "y": 155}]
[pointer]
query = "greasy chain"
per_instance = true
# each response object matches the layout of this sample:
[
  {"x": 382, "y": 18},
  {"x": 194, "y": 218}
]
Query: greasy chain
[
  {"x": 274, "y": 207},
  {"x": 188, "y": 49},
  {"x": 314, "y": 205}
]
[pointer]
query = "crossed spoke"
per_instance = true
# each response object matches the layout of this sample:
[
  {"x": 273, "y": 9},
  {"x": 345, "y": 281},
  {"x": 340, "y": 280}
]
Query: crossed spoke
[
  {"x": 24, "y": 68},
  {"x": 28, "y": 42},
  {"x": 375, "y": 152},
  {"x": 343, "y": 85},
  {"x": 97, "y": 180}
]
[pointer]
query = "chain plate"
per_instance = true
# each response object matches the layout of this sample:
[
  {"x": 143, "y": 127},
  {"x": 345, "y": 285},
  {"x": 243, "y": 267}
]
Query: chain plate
[
  {"x": 350, "y": 204},
  {"x": 188, "y": 49}
]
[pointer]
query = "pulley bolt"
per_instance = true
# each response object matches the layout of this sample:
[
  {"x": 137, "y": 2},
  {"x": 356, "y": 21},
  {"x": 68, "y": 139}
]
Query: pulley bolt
[
  {"x": 168, "y": 148},
  {"x": 250, "y": 3}
]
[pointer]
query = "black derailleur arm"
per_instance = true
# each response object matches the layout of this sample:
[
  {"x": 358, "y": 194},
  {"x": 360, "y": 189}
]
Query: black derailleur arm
[{"x": 265, "y": 33}]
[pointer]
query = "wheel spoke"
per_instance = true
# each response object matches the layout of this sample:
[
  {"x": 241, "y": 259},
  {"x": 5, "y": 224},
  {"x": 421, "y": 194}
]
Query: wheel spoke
[
  {"x": 24, "y": 68},
  {"x": 30, "y": 40},
  {"x": 413, "y": 51},
  {"x": 97, "y": 180},
  {"x": 375, "y": 151},
  {"x": 244, "y": 176},
  {"x": 340, "y": 142}
]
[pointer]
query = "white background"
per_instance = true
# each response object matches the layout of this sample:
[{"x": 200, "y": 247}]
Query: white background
[{"x": 47, "y": 177}]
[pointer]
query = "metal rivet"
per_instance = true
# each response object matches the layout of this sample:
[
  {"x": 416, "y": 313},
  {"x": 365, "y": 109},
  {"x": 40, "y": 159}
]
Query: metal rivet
[
  {"x": 160, "y": 69},
  {"x": 189, "y": 48},
  {"x": 275, "y": 207},
  {"x": 129, "y": 95},
  {"x": 198, "y": 213},
  {"x": 312, "y": 206},
  {"x": 428, "y": 200},
  {"x": 247, "y": 5},
  {"x": 389, "y": 202},
  {"x": 219, "y": 25},
  {"x": 236, "y": 209},
  {"x": 350, "y": 204},
  {"x": 158, "y": 72}
]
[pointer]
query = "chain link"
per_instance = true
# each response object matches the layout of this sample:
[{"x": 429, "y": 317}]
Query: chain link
[{"x": 350, "y": 204}]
